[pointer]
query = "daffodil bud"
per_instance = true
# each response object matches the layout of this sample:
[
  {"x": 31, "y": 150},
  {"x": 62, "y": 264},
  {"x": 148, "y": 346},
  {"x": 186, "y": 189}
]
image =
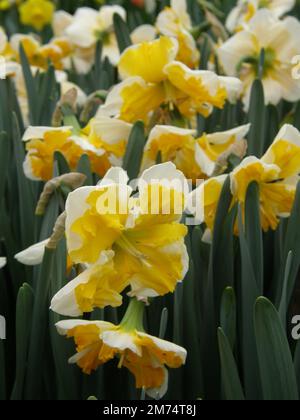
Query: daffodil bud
[
  {"x": 58, "y": 231},
  {"x": 73, "y": 180}
]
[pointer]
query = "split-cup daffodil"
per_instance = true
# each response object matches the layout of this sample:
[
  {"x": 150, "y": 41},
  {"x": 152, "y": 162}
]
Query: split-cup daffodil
[
  {"x": 153, "y": 79},
  {"x": 240, "y": 56},
  {"x": 36, "y": 13},
  {"x": 197, "y": 157},
  {"x": 103, "y": 140},
  {"x": 125, "y": 241},
  {"x": 88, "y": 26},
  {"x": 277, "y": 176},
  {"x": 145, "y": 356},
  {"x": 243, "y": 12},
  {"x": 175, "y": 21}
]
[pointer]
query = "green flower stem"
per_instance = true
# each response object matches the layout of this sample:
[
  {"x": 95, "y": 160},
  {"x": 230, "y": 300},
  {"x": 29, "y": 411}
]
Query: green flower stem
[{"x": 133, "y": 318}]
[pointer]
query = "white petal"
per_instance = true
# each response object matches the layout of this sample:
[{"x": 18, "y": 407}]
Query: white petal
[
  {"x": 121, "y": 341},
  {"x": 165, "y": 174},
  {"x": 61, "y": 20},
  {"x": 65, "y": 302},
  {"x": 39, "y": 132},
  {"x": 239, "y": 133},
  {"x": 114, "y": 176},
  {"x": 111, "y": 130},
  {"x": 290, "y": 134},
  {"x": 64, "y": 326},
  {"x": 107, "y": 13},
  {"x": 206, "y": 165},
  {"x": 143, "y": 33},
  {"x": 233, "y": 86},
  {"x": 76, "y": 206},
  {"x": 3, "y": 262},
  {"x": 33, "y": 255}
]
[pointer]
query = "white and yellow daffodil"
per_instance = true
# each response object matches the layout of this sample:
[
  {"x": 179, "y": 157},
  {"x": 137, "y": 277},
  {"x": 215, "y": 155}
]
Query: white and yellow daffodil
[
  {"x": 5, "y": 48},
  {"x": 240, "y": 56},
  {"x": 152, "y": 78},
  {"x": 3, "y": 262},
  {"x": 197, "y": 158},
  {"x": 103, "y": 140},
  {"x": 203, "y": 201},
  {"x": 145, "y": 356},
  {"x": 89, "y": 26},
  {"x": 244, "y": 11},
  {"x": 56, "y": 51},
  {"x": 36, "y": 13},
  {"x": 276, "y": 174},
  {"x": 175, "y": 22},
  {"x": 125, "y": 241}
]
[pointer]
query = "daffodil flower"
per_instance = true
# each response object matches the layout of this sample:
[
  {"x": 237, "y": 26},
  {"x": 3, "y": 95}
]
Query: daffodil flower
[
  {"x": 145, "y": 356},
  {"x": 240, "y": 56},
  {"x": 36, "y": 13},
  {"x": 242, "y": 13},
  {"x": 197, "y": 158},
  {"x": 152, "y": 78},
  {"x": 203, "y": 202},
  {"x": 3, "y": 262},
  {"x": 276, "y": 174},
  {"x": 89, "y": 26},
  {"x": 56, "y": 51},
  {"x": 125, "y": 240},
  {"x": 175, "y": 22},
  {"x": 103, "y": 140}
]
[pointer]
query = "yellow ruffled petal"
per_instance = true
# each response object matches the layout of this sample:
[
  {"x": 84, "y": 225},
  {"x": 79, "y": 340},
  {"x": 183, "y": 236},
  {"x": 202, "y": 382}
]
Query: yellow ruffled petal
[
  {"x": 148, "y": 59},
  {"x": 285, "y": 152},
  {"x": 201, "y": 88},
  {"x": 96, "y": 229}
]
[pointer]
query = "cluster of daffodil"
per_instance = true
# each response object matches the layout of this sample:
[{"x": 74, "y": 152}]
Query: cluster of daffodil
[{"x": 126, "y": 241}]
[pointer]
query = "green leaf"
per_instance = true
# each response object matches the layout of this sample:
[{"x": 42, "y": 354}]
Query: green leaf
[
  {"x": 62, "y": 164},
  {"x": 25, "y": 192},
  {"x": 275, "y": 360},
  {"x": 39, "y": 328},
  {"x": 23, "y": 327},
  {"x": 257, "y": 115},
  {"x": 248, "y": 294},
  {"x": 2, "y": 372},
  {"x": 284, "y": 304},
  {"x": 122, "y": 33},
  {"x": 230, "y": 376},
  {"x": 31, "y": 88},
  {"x": 254, "y": 233},
  {"x": 5, "y": 153},
  {"x": 291, "y": 243},
  {"x": 135, "y": 149},
  {"x": 84, "y": 167},
  {"x": 229, "y": 315}
]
